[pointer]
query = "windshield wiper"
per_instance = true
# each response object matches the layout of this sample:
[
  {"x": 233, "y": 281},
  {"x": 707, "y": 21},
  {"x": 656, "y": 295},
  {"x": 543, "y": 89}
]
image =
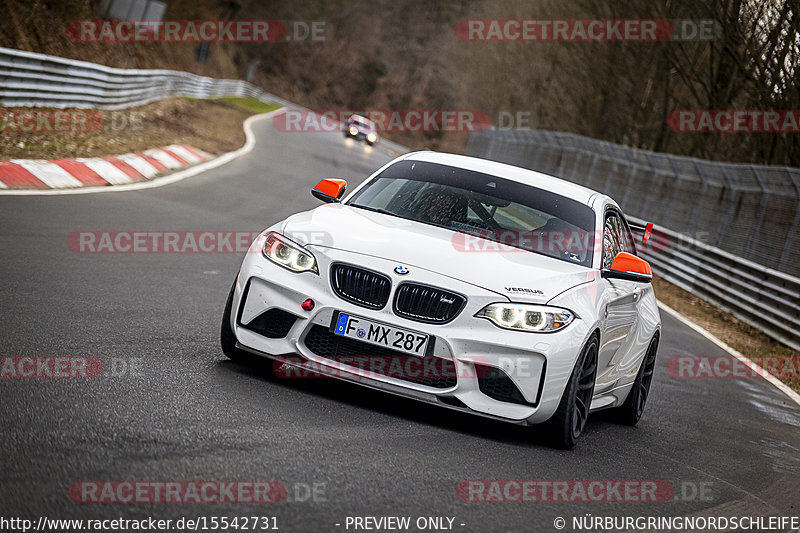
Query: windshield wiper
[{"x": 373, "y": 209}]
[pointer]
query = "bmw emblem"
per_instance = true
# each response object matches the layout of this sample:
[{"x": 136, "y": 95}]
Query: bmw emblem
[{"x": 401, "y": 270}]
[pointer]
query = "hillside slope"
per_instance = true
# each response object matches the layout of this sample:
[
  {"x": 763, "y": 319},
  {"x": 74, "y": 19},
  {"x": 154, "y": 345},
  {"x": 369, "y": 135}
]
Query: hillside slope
[{"x": 399, "y": 55}]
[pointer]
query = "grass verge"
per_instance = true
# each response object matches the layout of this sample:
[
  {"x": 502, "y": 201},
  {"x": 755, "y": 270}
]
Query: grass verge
[
  {"x": 214, "y": 126},
  {"x": 253, "y": 105}
]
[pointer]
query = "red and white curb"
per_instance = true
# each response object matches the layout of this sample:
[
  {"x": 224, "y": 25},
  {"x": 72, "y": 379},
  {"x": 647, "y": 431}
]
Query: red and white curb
[
  {"x": 97, "y": 171},
  {"x": 159, "y": 181}
]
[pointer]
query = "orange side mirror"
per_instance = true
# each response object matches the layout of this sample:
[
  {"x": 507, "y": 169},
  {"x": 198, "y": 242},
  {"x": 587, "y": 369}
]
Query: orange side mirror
[
  {"x": 329, "y": 190},
  {"x": 628, "y": 266}
]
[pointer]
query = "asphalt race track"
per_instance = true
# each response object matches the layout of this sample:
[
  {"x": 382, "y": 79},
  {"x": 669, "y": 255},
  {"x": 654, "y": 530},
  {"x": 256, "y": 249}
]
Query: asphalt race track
[{"x": 170, "y": 406}]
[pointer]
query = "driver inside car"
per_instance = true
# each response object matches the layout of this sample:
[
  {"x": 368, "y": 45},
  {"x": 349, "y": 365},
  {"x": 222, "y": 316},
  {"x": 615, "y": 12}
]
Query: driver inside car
[{"x": 442, "y": 206}]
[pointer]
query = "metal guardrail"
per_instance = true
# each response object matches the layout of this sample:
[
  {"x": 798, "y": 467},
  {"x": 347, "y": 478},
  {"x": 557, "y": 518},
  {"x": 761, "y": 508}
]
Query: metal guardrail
[
  {"x": 762, "y": 297},
  {"x": 745, "y": 210},
  {"x": 29, "y": 79},
  {"x": 750, "y": 211}
]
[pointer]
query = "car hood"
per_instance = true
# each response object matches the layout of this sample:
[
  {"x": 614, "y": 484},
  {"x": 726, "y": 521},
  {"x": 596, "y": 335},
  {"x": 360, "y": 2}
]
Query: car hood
[{"x": 517, "y": 274}]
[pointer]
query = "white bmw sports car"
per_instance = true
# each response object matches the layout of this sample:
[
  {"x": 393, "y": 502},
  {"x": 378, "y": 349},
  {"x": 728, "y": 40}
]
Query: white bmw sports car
[{"x": 466, "y": 283}]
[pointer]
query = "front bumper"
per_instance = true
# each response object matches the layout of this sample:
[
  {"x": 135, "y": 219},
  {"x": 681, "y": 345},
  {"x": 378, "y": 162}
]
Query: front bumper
[
  {"x": 539, "y": 365},
  {"x": 360, "y": 136}
]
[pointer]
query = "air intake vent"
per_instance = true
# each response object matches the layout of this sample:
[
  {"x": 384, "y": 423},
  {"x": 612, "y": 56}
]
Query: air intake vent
[
  {"x": 495, "y": 383},
  {"x": 274, "y": 323},
  {"x": 427, "y": 304},
  {"x": 360, "y": 286}
]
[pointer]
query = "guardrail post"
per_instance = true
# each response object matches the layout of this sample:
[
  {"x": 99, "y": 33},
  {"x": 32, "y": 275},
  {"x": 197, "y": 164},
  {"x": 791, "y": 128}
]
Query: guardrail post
[
  {"x": 675, "y": 187},
  {"x": 538, "y": 150},
  {"x": 700, "y": 197},
  {"x": 726, "y": 217},
  {"x": 633, "y": 170},
  {"x": 612, "y": 158},
  {"x": 590, "y": 173},
  {"x": 787, "y": 245},
  {"x": 755, "y": 229},
  {"x": 561, "y": 157}
]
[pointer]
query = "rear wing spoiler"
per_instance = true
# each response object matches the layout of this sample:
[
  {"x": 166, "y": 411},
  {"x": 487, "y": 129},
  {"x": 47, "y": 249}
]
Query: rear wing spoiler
[{"x": 647, "y": 229}]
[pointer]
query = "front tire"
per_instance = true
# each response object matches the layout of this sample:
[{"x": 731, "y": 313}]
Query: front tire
[
  {"x": 227, "y": 339},
  {"x": 568, "y": 422},
  {"x": 631, "y": 411}
]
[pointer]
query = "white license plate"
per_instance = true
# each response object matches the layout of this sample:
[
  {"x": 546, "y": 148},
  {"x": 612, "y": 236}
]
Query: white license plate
[{"x": 402, "y": 340}]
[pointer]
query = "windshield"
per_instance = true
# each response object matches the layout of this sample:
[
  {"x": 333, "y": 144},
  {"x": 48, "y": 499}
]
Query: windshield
[
  {"x": 494, "y": 209},
  {"x": 361, "y": 122}
]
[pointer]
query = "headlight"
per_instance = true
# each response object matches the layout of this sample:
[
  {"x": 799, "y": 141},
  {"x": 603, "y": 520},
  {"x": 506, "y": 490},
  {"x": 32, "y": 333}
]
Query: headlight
[
  {"x": 288, "y": 254},
  {"x": 353, "y": 130},
  {"x": 527, "y": 317},
  {"x": 372, "y": 137}
]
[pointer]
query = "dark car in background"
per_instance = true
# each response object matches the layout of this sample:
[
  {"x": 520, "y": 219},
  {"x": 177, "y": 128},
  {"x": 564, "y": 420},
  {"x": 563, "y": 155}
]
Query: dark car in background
[{"x": 361, "y": 129}]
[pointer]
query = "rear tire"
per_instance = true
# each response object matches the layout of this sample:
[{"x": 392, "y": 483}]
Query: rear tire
[
  {"x": 630, "y": 412},
  {"x": 569, "y": 420}
]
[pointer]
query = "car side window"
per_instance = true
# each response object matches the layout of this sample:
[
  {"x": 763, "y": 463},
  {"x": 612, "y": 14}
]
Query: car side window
[
  {"x": 630, "y": 243},
  {"x": 613, "y": 241}
]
